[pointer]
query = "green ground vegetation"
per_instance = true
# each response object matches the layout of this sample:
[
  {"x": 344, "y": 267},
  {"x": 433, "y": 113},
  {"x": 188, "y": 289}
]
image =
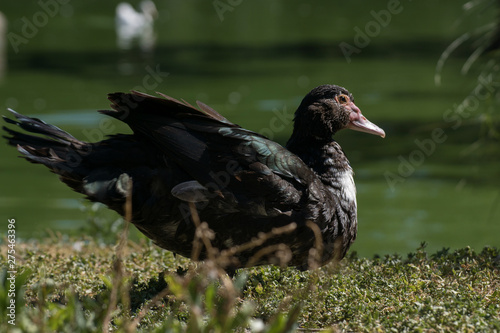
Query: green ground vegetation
[{"x": 65, "y": 284}]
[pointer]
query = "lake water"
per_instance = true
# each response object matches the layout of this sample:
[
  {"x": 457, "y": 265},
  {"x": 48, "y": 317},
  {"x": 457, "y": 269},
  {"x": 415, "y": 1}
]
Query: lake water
[{"x": 431, "y": 179}]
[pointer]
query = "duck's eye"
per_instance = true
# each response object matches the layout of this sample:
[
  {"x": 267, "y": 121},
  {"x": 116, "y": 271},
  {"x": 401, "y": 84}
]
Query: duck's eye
[{"x": 342, "y": 99}]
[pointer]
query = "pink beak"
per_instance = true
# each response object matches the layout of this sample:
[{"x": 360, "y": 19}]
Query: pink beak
[{"x": 358, "y": 122}]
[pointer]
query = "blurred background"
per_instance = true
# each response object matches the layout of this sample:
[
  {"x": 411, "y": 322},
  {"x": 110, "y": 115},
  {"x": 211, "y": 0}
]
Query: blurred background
[{"x": 425, "y": 71}]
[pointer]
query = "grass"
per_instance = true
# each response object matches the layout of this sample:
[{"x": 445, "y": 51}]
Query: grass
[{"x": 66, "y": 284}]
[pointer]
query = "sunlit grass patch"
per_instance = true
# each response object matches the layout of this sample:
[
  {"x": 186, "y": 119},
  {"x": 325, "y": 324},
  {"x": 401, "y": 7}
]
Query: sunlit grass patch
[{"x": 78, "y": 285}]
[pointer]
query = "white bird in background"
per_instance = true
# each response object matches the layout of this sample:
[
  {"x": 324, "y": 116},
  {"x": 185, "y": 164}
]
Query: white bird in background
[{"x": 131, "y": 24}]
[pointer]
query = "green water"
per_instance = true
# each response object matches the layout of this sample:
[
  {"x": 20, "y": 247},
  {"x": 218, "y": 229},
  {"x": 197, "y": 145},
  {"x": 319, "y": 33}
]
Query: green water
[{"x": 260, "y": 60}]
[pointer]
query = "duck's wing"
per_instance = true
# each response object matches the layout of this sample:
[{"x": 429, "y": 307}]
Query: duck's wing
[{"x": 228, "y": 162}]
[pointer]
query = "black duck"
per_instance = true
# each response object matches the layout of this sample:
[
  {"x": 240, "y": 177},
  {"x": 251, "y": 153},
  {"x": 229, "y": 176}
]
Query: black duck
[{"x": 241, "y": 183}]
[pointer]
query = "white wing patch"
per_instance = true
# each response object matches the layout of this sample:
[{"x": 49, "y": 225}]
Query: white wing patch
[{"x": 348, "y": 186}]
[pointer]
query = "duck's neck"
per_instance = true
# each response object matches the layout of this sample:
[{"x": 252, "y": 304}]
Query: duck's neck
[{"x": 327, "y": 159}]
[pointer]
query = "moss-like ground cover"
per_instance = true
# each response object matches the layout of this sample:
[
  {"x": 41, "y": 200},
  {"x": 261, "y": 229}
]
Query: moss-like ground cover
[{"x": 69, "y": 285}]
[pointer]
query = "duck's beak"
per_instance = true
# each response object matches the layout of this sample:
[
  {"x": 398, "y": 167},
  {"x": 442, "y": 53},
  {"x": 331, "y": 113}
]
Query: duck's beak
[{"x": 358, "y": 122}]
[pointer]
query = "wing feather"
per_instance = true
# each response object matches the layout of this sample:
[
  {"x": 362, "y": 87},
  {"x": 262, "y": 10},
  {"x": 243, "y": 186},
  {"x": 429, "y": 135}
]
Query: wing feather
[{"x": 219, "y": 155}]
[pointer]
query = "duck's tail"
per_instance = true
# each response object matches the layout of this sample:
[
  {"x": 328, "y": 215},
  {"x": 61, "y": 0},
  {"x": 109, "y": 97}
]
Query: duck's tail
[
  {"x": 101, "y": 170},
  {"x": 56, "y": 149}
]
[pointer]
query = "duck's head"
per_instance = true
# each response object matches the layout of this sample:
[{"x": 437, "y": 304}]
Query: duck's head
[{"x": 329, "y": 108}]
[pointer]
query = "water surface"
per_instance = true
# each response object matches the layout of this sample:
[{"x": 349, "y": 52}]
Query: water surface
[{"x": 259, "y": 61}]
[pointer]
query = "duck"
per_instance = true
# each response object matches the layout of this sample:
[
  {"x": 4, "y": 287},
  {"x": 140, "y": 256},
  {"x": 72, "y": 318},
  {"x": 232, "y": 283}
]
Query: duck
[{"x": 201, "y": 186}]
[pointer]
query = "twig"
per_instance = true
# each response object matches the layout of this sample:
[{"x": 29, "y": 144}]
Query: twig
[
  {"x": 315, "y": 253},
  {"x": 266, "y": 250},
  {"x": 261, "y": 239},
  {"x": 118, "y": 264},
  {"x": 202, "y": 233},
  {"x": 134, "y": 323}
]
